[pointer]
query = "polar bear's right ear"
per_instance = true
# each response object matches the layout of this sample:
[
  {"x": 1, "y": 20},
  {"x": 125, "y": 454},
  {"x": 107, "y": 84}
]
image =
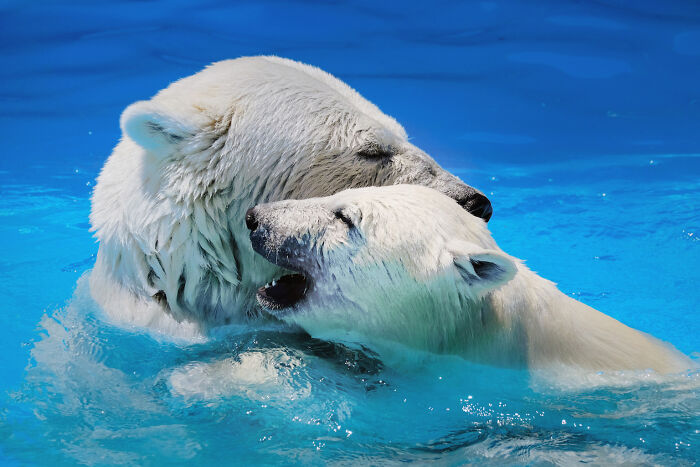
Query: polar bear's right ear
[
  {"x": 153, "y": 128},
  {"x": 483, "y": 270}
]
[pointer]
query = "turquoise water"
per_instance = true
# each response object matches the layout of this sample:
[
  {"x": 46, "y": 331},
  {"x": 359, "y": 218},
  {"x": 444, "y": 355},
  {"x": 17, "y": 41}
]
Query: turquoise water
[{"x": 579, "y": 121}]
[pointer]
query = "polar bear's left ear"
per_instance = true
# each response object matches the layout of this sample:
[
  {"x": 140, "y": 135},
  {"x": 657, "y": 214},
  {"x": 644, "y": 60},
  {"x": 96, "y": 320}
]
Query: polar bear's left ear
[
  {"x": 153, "y": 128},
  {"x": 483, "y": 270}
]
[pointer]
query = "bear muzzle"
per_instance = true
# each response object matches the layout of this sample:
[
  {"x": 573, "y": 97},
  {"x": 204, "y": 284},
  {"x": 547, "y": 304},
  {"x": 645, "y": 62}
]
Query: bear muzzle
[{"x": 289, "y": 289}]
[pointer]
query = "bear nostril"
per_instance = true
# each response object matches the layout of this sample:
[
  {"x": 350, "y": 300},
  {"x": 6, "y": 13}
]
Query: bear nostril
[
  {"x": 250, "y": 220},
  {"x": 478, "y": 205}
]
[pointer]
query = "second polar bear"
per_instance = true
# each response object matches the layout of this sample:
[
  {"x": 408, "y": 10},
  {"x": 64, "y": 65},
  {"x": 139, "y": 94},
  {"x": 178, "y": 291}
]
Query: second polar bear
[
  {"x": 405, "y": 264},
  {"x": 168, "y": 205}
]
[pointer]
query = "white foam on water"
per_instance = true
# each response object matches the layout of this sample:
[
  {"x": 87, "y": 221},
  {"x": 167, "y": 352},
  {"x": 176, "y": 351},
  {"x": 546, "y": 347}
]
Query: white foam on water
[{"x": 264, "y": 375}]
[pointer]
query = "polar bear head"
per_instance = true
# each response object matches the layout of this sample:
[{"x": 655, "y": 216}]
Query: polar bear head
[
  {"x": 269, "y": 128},
  {"x": 402, "y": 263},
  {"x": 169, "y": 203}
]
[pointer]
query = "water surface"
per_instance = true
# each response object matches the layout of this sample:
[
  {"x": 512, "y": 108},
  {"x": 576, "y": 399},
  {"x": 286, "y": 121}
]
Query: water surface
[{"x": 580, "y": 122}]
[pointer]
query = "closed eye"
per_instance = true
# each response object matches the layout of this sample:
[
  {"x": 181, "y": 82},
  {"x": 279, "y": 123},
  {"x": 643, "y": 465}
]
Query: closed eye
[
  {"x": 376, "y": 152},
  {"x": 343, "y": 218}
]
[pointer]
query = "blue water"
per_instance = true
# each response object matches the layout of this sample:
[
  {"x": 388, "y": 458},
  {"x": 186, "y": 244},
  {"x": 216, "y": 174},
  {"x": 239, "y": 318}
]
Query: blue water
[{"x": 580, "y": 120}]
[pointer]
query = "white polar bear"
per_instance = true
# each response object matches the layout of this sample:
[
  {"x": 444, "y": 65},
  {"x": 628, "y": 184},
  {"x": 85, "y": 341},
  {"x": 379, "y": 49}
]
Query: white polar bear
[
  {"x": 405, "y": 264},
  {"x": 168, "y": 205}
]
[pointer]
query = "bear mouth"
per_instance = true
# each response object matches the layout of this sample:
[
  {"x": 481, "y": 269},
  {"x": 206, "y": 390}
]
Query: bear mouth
[
  {"x": 284, "y": 292},
  {"x": 294, "y": 285}
]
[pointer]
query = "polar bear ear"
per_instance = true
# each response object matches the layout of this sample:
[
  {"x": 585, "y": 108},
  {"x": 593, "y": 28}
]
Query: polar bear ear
[
  {"x": 483, "y": 270},
  {"x": 154, "y": 129}
]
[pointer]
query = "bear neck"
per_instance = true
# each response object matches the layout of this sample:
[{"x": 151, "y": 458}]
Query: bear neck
[{"x": 546, "y": 328}]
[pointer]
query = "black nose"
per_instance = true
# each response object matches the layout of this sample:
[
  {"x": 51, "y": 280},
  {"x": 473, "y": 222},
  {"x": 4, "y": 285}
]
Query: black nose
[
  {"x": 250, "y": 221},
  {"x": 477, "y": 204}
]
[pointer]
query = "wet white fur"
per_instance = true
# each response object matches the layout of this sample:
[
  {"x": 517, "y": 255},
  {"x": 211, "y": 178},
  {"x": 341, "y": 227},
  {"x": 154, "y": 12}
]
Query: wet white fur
[
  {"x": 168, "y": 208},
  {"x": 418, "y": 270}
]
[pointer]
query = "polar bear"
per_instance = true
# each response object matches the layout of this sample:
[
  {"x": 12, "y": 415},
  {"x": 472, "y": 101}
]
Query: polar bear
[
  {"x": 406, "y": 264},
  {"x": 168, "y": 206}
]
